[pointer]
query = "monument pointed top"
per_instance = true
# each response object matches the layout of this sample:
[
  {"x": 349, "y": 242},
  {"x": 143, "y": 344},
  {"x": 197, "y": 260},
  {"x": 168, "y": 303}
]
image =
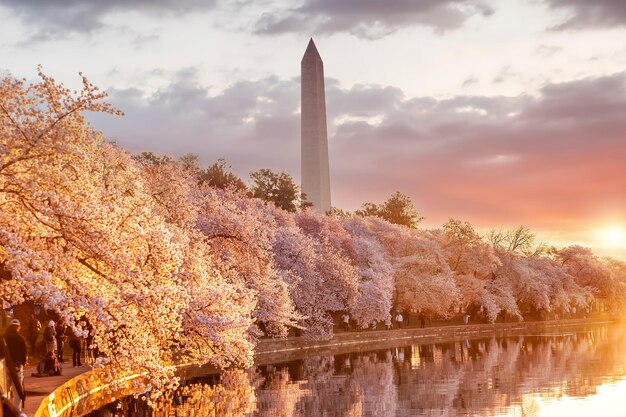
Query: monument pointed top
[
  {"x": 314, "y": 131},
  {"x": 311, "y": 51}
]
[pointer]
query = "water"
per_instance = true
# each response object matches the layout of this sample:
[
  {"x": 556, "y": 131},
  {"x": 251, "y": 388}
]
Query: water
[{"x": 569, "y": 374}]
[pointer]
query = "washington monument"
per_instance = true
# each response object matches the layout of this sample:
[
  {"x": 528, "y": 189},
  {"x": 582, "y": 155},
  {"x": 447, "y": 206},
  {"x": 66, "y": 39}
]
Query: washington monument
[{"x": 314, "y": 138}]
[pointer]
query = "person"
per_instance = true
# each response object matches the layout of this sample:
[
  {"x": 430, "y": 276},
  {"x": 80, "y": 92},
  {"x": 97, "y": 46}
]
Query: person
[
  {"x": 422, "y": 320},
  {"x": 60, "y": 329},
  {"x": 16, "y": 350},
  {"x": 91, "y": 348},
  {"x": 466, "y": 318},
  {"x": 346, "y": 322},
  {"x": 34, "y": 328},
  {"x": 48, "y": 366},
  {"x": 49, "y": 338},
  {"x": 399, "y": 320},
  {"x": 75, "y": 345}
]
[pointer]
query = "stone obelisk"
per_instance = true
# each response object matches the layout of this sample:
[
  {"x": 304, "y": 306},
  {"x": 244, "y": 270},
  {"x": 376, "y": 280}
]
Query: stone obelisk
[{"x": 314, "y": 137}]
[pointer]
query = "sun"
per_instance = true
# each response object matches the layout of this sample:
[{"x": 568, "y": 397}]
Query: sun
[{"x": 613, "y": 236}]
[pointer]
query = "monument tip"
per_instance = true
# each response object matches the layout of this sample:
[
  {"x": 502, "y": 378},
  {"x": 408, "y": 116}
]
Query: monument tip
[{"x": 311, "y": 50}]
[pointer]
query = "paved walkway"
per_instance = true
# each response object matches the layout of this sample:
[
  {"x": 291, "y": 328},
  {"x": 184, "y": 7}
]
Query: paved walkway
[{"x": 39, "y": 388}]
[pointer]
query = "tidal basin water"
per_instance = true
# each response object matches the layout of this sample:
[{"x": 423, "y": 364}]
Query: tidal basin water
[{"x": 577, "y": 373}]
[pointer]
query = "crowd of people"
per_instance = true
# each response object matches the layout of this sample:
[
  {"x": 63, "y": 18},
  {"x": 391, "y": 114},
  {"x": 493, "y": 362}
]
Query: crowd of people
[
  {"x": 397, "y": 321},
  {"x": 400, "y": 319},
  {"x": 24, "y": 339}
]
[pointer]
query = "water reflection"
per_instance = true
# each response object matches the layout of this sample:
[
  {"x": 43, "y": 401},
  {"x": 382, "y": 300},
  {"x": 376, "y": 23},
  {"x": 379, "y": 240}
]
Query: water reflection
[{"x": 522, "y": 376}]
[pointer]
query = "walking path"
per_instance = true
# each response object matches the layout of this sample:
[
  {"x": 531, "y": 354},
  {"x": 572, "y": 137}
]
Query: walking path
[{"x": 39, "y": 388}]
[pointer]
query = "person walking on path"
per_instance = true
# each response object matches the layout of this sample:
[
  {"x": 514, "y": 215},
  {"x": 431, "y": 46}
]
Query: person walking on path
[
  {"x": 75, "y": 345},
  {"x": 34, "y": 328},
  {"x": 422, "y": 320},
  {"x": 49, "y": 338},
  {"x": 60, "y": 330},
  {"x": 399, "y": 320},
  {"x": 346, "y": 322},
  {"x": 466, "y": 318},
  {"x": 16, "y": 354}
]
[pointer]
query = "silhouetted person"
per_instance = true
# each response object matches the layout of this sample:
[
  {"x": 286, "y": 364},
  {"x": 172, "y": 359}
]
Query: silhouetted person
[
  {"x": 75, "y": 345},
  {"x": 16, "y": 351},
  {"x": 60, "y": 330},
  {"x": 91, "y": 350},
  {"x": 422, "y": 320},
  {"x": 33, "y": 329}
]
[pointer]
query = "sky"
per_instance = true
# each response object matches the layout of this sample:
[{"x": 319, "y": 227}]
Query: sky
[{"x": 497, "y": 112}]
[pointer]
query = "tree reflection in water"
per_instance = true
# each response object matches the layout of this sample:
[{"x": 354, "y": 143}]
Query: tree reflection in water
[{"x": 474, "y": 377}]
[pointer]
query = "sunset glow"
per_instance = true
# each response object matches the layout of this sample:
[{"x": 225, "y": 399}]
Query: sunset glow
[{"x": 614, "y": 237}]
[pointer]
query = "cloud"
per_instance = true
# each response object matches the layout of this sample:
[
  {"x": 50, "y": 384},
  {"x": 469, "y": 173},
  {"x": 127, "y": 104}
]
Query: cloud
[
  {"x": 242, "y": 123},
  {"x": 58, "y": 18},
  {"x": 591, "y": 13},
  {"x": 544, "y": 160},
  {"x": 552, "y": 161},
  {"x": 547, "y": 51},
  {"x": 469, "y": 81},
  {"x": 505, "y": 74},
  {"x": 370, "y": 19}
]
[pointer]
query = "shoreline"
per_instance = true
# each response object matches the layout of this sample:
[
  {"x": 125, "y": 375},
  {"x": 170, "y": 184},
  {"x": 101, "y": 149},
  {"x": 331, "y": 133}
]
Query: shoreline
[
  {"x": 83, "y": 392},
  {"x": 283, "y": 350}
]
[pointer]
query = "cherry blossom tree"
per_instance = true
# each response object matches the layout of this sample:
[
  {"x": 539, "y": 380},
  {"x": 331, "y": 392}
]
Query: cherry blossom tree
[
  {"x": 603, "y": 278},
  {"x": 241, "y": 231},
  {"x": 295, "y": 257},
  {"x": 80, "y": 234},
  {"x": 333, "y": 249},
  {"x": 376, "y": 274},
  {"x": 472, "y": 260},
  {"x": 423, "y": 279},
  {"x": 321, "y": 280},
  {"x": 174, "y": 191}
]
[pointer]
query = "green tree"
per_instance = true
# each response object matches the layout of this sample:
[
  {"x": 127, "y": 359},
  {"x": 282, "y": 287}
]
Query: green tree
[
  {"x": 369, "y": 209},
  {"x": 398, "y": 209},
  {"x": 190, "y": 162},
  {"x": 338, "y": 213},
  {"x": 278, "y": 188},
  {"x": 304, "y": 203},
  {"x": 149, "y": 158},
  {"x": 220, "y": 175}
]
